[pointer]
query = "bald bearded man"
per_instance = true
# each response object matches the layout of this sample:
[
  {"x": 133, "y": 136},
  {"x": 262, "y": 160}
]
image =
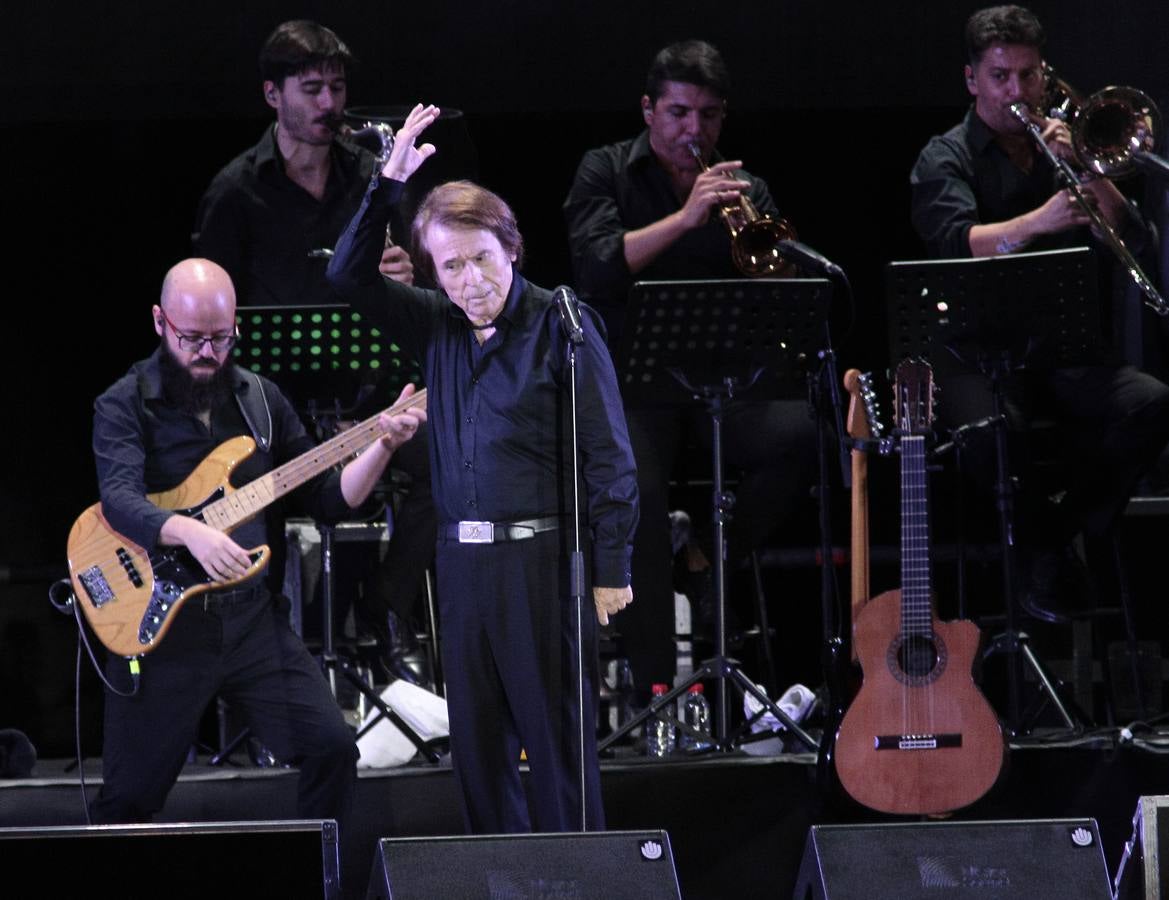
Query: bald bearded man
[{"x": 152, "y": 428}]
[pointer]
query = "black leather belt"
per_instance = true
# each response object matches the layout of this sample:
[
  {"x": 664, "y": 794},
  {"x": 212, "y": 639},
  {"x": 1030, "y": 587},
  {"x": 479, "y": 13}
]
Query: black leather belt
[
  {"x": 469, "y": 532},
  {"x": 221, "y": 599}
]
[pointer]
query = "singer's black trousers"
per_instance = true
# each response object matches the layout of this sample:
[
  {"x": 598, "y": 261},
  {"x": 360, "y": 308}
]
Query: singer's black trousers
[{"x": 508, "y": 643}]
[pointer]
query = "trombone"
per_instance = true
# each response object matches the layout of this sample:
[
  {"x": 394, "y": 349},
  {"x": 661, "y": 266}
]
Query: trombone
[
  {"x": 1111, "y": 131},
  {"x": 755, "y": 238}
]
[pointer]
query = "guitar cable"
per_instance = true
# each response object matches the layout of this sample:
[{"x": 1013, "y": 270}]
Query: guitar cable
[{"x": 64, "y": 600}]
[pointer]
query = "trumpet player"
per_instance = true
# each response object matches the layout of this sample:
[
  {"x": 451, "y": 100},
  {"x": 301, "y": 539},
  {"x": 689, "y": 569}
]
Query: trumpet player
[
  {"x": 270, "y": 217},
  {"x": 647, "y": 208},
  {"x": 986, "y": 188}
]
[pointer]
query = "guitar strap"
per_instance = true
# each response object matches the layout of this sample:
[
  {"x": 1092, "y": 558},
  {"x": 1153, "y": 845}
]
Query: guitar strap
[{"x": 253, "y": 403}]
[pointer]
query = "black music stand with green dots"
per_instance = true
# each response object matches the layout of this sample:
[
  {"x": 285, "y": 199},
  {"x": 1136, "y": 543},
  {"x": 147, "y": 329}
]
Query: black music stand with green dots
[
  {"x": 331, "y": 363},
  {"x": 323, "y": 357}
]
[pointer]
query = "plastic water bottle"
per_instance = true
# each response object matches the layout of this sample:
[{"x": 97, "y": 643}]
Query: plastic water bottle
[
  {"x": 661, "y": 734},
  {"x": 696, "y": 714}
]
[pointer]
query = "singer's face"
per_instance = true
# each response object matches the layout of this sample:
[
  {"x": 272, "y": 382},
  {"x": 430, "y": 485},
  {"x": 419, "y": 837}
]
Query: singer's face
[
  {"x": 309, "y": 105},
  {"x": 1005, "y": 74},
  {"x": 473, "y": 268},
  {"x": 684, "y": 114}
]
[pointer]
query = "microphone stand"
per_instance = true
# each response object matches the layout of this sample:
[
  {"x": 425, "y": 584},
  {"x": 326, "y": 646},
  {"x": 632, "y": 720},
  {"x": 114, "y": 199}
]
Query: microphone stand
[{"x": 570, "y": 316}]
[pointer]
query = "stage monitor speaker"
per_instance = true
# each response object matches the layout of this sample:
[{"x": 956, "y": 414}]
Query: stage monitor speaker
[
  {"x": 600, "y": 865},
  {"x": 286, "y": 858},
  {"x": 1041, "y": 859},
  {"x": 1142, "y": 870}
]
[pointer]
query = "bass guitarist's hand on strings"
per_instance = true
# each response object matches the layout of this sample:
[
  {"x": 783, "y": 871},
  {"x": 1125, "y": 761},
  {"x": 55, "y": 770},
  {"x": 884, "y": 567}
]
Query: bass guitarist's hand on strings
[{"x": 221, "y": 557}]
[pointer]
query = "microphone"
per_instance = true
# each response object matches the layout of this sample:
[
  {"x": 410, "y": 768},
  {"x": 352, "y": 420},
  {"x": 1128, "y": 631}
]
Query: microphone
[
  {"x": 569, "y": 308},
  {"x": 807, "y": 257}
]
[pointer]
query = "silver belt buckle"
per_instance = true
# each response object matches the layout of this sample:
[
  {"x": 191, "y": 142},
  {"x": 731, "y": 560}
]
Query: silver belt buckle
[{"x": 476, "y": 532}]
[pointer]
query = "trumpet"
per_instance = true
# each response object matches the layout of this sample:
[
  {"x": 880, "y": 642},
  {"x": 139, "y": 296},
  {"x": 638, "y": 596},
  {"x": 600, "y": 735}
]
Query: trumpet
[
  {"x": 1110, "y": 131},
  {"x": 755, "y": 238}
]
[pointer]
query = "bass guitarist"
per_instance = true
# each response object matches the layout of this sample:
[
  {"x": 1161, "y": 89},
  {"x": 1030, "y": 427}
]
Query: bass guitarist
[{"x": 152, "y": 429}]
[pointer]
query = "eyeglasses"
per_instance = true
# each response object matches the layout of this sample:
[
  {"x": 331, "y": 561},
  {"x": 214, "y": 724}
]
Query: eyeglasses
[{"x": 193, "y": 343}]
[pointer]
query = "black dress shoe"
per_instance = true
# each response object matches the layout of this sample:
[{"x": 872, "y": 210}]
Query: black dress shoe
[
  {"x": 401, "y": 655},
  {"x": 399, "y": 638},
  {"x": 1055, "y": 585}
]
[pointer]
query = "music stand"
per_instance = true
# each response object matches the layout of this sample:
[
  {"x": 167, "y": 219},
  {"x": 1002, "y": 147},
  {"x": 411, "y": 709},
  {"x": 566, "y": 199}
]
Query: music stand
[
  {"x": 1031, "y": 311},
  {"x": 323, "y": 355},
  {"x": 713, "y": 341},
  {"x": 320, "y": 355}
]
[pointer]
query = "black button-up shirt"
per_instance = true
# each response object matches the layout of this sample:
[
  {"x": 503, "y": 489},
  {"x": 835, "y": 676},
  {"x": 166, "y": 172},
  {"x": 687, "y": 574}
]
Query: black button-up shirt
[
  {"x": 263, "y": 228},
  {"x": 143, "y": 444},
  {"x": 621, "y": 188},
  {"x": 964, "y": 178},
  {"x": 499, "y": 414}
]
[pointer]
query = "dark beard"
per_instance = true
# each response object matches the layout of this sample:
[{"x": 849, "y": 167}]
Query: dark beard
[{"x": 188, "y": 393}]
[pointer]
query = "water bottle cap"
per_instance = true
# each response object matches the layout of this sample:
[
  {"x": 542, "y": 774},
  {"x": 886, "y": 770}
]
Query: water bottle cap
[
  {"x": 696, "y": 688},
  {"x": 660, "y": 688}
]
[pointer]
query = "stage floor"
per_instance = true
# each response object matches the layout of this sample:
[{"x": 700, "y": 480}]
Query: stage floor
[{"x": 737, "y": 822}]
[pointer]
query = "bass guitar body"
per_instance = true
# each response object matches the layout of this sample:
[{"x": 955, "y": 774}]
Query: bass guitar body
[{"x": 129, "y": 596}]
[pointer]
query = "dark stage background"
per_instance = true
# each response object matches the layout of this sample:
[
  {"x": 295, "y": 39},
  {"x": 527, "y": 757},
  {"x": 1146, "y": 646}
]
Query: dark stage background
[{"x": 116, "y": 115}]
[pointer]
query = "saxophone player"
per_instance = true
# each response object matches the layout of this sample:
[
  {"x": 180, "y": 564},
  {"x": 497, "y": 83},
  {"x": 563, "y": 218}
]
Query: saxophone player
[{"x": 265, "y": 218}]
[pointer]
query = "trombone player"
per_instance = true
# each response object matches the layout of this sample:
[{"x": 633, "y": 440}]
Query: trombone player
[
  {"x": 647, "y": 208},
  {"x": 986, "y": 188}
]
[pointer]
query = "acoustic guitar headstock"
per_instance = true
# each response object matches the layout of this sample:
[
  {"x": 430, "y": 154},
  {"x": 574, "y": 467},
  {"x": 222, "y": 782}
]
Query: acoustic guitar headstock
[{"x": 913, "y": 396}]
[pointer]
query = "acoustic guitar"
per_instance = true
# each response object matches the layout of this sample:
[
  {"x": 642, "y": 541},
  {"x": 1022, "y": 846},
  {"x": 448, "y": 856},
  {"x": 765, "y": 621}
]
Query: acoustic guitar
[
  {"x": 130, "y": 595},
  {"x": 919, "y": 738}
]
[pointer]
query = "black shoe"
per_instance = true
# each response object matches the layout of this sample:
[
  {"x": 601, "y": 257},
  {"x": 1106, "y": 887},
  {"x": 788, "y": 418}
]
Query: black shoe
[
  {"x": 401, "y": 653},
  {"x": 1055, "y": 585},
  {"x": 399, "y": 638}
]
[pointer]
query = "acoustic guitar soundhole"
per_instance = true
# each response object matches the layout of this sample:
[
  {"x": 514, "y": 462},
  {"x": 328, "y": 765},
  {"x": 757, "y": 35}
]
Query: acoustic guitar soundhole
[{"x": 917, "y": 659}]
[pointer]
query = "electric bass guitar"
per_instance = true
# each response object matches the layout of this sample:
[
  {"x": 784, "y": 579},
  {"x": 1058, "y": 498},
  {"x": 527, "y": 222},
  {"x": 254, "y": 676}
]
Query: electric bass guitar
[
  {"x": 919, "y": 738},
  {"x": 130, "y": 595},
  {"x": 839, "y": 669},
  {"x": 862, "y": 424}
]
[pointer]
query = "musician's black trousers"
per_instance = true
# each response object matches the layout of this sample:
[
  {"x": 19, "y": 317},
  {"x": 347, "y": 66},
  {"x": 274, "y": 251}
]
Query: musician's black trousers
[
  {"x": 1112, "y": 423},
  {"x": 770, "y": 449},
  {"x": 509, "y": 631},
  {"x": 247, "y": 654}
]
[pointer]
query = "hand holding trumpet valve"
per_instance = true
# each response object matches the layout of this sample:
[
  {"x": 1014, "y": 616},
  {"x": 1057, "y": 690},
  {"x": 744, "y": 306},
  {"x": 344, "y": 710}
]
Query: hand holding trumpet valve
[{"x": 713, "y": 189}]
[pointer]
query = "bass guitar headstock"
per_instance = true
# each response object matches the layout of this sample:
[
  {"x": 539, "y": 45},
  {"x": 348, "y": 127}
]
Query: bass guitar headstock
[{"x": 864, "y": 420}]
